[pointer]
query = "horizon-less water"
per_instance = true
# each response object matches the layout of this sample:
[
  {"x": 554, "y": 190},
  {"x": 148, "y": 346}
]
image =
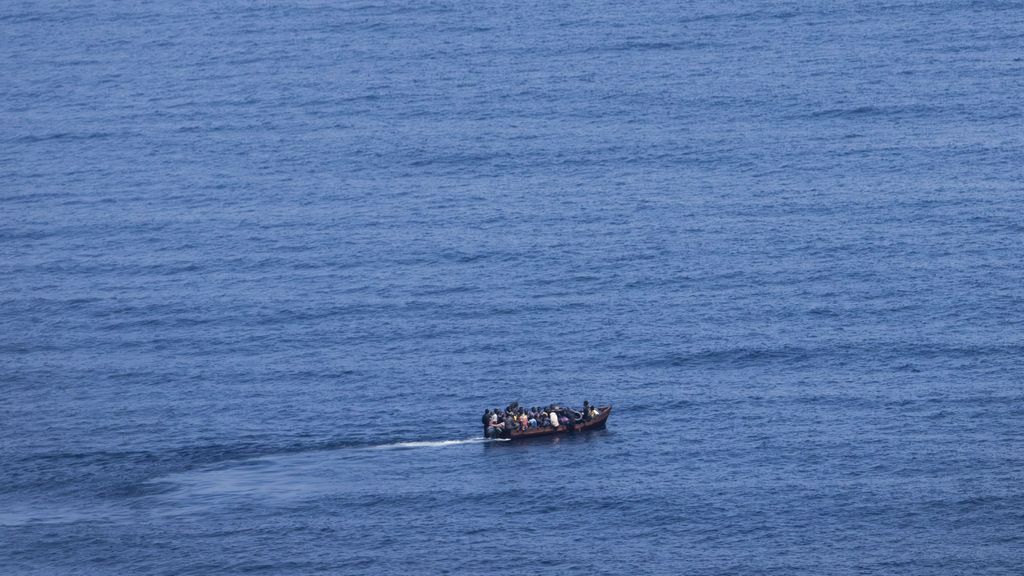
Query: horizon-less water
[{"x": 263, "y": 266}]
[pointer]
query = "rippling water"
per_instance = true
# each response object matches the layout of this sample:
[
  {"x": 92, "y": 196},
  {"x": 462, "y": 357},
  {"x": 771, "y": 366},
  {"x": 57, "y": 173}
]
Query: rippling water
[{"x": 263, "y": 266}]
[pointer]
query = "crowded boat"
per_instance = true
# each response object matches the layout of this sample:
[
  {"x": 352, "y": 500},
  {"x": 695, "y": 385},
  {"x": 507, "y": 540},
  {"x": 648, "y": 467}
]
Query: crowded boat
[{"x": 498, "y": 423}]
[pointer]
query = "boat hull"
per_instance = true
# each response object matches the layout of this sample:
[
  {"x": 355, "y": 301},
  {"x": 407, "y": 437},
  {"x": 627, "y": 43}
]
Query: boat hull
[{"x": 596, "y": 423}]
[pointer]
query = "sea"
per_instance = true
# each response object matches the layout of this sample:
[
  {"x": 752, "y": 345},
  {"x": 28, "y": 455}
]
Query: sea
[{"x": 263, "y": 266}]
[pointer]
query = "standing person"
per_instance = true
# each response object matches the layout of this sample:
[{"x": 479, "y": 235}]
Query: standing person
[
  {"x": 486, "y": 420},
  {"x": 554, "y": 419}
]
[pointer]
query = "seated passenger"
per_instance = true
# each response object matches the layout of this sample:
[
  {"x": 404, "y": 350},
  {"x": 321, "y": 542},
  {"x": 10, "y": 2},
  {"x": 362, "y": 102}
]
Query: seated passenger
[
  {"x": 553, "y": 417},
  {"x": 573, "y": 415}
]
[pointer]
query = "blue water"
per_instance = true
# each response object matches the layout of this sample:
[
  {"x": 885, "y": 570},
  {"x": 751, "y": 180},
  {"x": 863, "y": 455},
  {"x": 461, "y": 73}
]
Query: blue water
[{"x": 263, "y": 266}]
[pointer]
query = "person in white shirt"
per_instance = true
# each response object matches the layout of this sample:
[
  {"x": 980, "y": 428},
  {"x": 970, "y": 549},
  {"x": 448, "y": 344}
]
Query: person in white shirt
[{"x": 554, "y": 418}]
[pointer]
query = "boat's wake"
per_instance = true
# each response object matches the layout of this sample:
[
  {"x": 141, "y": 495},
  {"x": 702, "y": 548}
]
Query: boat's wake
[
  {"x": 434, "y": 443},
  {"x": 348, "y": 470}
]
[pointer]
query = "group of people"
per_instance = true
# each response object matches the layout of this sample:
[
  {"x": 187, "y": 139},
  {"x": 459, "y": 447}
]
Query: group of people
[{"x": 498, "y": 423}]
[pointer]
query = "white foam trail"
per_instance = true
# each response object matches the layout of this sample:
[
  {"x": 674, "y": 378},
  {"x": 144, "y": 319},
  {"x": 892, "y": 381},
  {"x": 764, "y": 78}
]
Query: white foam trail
[
  {"x": 435, "y": 443},
  {"x": 292, "y": 476}
]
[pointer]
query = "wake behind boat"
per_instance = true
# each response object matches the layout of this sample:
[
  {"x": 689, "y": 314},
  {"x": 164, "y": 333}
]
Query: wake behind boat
[{"x": 516, "y": 422}]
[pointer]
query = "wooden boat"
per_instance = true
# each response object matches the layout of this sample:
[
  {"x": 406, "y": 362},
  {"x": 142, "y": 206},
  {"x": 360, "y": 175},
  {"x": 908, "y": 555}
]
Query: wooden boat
[{"x": 596, "y": 423}]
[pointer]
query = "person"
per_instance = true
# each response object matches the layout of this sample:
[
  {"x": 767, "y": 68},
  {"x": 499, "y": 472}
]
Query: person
[
  {"x": 553, "y": 417},
  {"x": 587, "y": 414},
  {"x": 569, "y": 417},
  {"x": 486, "y": 420},
  {"x": 524, "y": 421}
]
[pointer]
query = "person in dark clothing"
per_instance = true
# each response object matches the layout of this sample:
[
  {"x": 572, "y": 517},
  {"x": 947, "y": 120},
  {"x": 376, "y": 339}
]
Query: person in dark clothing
[
  {"x": 568, "y": 417},
  {"x": 486, "y": 420},
  {"x": 586, "y": 411}
]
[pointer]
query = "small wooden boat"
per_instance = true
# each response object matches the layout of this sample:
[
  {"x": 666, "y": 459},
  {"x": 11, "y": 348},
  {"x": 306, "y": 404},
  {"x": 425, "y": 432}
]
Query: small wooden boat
[{"x": 596, "y": 423}]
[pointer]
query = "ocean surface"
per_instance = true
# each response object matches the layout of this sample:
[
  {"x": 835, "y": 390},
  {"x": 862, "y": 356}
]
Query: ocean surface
[{"x": 263, "y": 266}]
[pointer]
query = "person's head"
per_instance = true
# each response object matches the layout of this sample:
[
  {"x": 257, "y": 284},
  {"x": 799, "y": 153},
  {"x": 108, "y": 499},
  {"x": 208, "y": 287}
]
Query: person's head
[{"x": 585, "y": 403}]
